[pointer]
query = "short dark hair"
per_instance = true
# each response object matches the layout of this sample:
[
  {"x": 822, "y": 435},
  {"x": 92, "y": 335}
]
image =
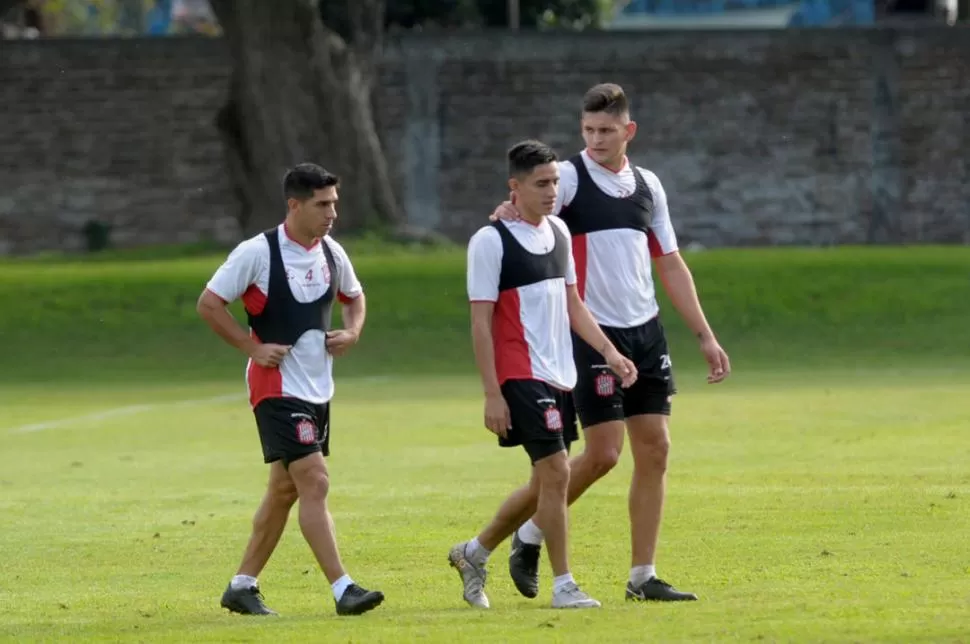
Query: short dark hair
[
  {"x": 524, "y": 156},
  {"x": 606, "y": 97},
  {"x": 302, "y": 181}
]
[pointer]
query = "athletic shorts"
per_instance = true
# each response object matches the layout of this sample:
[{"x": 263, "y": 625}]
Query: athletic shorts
[
  {"x": 598, "y": 396},
  {"x": 543, "y": 418},
  {"x": 290, "y": 428}
]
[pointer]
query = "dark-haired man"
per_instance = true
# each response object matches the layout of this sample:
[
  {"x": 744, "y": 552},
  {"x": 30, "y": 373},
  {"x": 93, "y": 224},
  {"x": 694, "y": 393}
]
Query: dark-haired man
[
  {"x": 522, "y": 288},
  {"x": 618, "y": 218},
  {"x": 288, "y": 279}
]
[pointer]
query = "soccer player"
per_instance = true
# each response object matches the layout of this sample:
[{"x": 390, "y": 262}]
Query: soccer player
[
  {"x": 522, "y": 288},
  {"x": 288, "y": 279},
  {"x": 618, "y": 218}
]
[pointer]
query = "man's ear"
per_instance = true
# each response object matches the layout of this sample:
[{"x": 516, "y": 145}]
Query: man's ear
[{"x": 631, "y": 130}]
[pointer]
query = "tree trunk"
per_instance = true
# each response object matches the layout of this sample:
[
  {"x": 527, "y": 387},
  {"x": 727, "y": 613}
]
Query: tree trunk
[{"x": 301, "y": 92}]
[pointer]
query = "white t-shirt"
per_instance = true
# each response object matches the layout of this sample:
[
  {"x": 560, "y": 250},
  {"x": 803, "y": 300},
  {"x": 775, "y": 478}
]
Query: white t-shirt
[
  {"x": 306, "y": 371},
  {"x": 530, "y": 327},
  {"x": 613, "y": 266}
]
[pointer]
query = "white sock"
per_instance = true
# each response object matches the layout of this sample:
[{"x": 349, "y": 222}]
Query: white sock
[
  {"x": 529, "y": 532},
  {"x": 243, "y": 581},
  {"x": 640, "y": 574},
  {"x": 476, "y": 551},
  {"x": 562, "y": 581},
  {"x": 340, "y": 586}
]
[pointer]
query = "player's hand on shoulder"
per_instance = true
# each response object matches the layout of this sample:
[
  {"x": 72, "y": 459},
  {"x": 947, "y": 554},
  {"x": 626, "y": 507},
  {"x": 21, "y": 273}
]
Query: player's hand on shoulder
[
  {"x": 506, "y": 211},
  {"x": 498, "y": 420},
  {"x": 340, "y": 341},
  {"x": 270, "y": 355},
  {"x": 622, "y": 366},
  {"x": 719, "y": 366}
]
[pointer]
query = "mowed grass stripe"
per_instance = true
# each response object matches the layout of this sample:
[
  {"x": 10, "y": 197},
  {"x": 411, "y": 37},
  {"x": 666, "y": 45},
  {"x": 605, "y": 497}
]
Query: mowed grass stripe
[{"x": 798, "y": 513}]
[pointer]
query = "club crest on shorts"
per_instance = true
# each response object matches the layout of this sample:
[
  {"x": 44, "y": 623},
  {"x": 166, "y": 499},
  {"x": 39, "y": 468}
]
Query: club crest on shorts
[
  {"x": 306, "y": 432},
  {"x": 553, "y": 420},
  {"x": 605, "y": 385}
]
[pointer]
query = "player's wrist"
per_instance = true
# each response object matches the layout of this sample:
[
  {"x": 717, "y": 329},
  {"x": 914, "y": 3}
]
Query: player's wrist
[
  {"x": 609, "y": 352},
  {"x": 249, "y": 346}
]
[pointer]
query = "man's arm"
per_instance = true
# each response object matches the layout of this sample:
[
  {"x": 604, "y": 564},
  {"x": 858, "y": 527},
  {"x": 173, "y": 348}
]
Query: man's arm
[
  {"x": 484, "y": 348},
  {"x": 582, "y": 322},
  {"x": 484, "y": 270},
  {"x": 498, "y": 420},
  {"x": 213, "y": 309},
  {"x": 353, "y": 314},
  {"x": 679, "y": 284},
  {"x": 238, "y": 273},
  {"x": 678, "y": 281},
  {"x": 351, "y": 296}
]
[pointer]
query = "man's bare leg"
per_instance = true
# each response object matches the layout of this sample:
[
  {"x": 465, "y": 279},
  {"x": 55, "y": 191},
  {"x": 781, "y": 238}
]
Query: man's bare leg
[
  {"x": 650, "y": 445},
  {"x": 552, "y": 474},
  {"x": 516, "y": 509},
  {"x": 552, "y": 515},
  {"x": 269, "y": 522},
  {"x": 601, "y": 452},
  {"x": 243, "y": 594},
  {"x": 313, "y": 485},
  {"x": 471, "y": 557}
]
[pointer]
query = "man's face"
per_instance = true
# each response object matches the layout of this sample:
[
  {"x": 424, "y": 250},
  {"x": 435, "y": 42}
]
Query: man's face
[
  {"x": 607, "y": 135},
  {"x": 536, "y": 192},
  {"x": 317, "y": 214}
]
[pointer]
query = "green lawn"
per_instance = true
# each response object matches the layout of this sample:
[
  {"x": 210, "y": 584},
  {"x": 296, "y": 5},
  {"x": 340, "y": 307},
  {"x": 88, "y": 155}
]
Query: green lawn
[{"x": 821, "y": 494}]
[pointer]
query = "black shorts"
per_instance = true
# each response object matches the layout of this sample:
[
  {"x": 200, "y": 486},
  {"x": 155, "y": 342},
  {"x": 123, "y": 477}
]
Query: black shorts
[
  {"x": 598, "y": 396},
  {"x": 290, "y": 428},
  {"x": 543, "y": 418}
]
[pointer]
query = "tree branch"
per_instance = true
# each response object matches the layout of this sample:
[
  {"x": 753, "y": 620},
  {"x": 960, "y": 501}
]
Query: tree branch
[
  {"x": 321, "y": 58},
  {"x": 367, "y": 24}
]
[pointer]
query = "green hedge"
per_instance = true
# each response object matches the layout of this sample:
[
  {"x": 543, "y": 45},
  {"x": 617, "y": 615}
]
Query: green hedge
[{"x": 124, "y": 316}]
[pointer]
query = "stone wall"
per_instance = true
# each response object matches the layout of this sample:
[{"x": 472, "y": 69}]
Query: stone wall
[{"x": 761, "y": 138}]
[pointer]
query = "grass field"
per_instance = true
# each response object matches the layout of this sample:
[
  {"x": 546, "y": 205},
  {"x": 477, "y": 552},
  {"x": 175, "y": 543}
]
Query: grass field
[{"x": 819, "y": 495}]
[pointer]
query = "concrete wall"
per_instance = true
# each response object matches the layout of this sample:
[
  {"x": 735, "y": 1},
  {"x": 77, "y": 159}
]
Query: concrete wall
[{"x": 786, "y": 137}]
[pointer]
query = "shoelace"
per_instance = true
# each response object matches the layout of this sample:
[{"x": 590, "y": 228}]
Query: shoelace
[
  {"x": 477, "y": 583},
  {"x": 573, "y": 591}
]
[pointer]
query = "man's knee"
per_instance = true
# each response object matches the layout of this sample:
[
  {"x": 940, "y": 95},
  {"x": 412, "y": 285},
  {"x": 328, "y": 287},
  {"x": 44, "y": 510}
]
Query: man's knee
[
  {"x": 283, "y": 494},
  {"x": 552, "y": 473},
  {"x": 650, "y": 441},
  {"x": 310, "y": 476},
  {"x": 604, "y": 444}
]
